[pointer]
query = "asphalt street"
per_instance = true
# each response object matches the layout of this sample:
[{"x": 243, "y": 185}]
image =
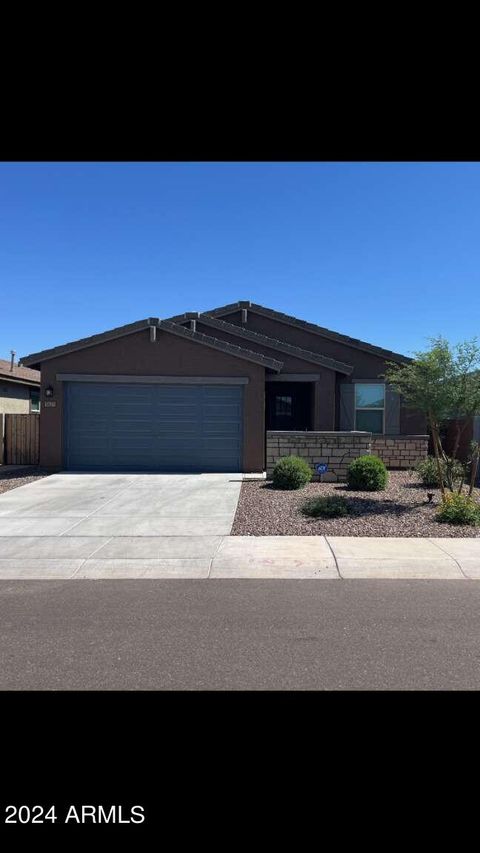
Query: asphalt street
[{"x": 239, "y": 635}]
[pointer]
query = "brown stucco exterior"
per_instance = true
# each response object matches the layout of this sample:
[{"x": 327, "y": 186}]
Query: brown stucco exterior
[
  {"x": 203, "y": 350},
  {"x": 324, "y": 391},
  {"x": 136, "y": 355},
  {"x": 367, "y": 367}
]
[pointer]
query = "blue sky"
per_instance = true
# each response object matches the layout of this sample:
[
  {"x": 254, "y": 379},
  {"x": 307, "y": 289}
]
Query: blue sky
[{"x": 388, "y": 252}]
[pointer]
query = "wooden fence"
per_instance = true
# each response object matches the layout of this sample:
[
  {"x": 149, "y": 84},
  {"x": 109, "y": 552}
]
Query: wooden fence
[{"x": 21, "y": 439}]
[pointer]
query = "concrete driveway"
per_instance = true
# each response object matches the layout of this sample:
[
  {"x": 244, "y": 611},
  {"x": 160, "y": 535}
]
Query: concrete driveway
[
  {"x": 116, "y": 525},
  {"x": 178, "y": 525}
]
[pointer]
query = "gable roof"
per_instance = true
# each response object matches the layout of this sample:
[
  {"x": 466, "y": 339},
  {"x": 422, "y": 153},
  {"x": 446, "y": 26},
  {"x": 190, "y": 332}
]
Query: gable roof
[
  {"x": 308, "y": 327},
  {"x": 163, "y": 325},
  {"x": 217, "y": 343},
  {"x": 272, "y": 343},
  {"x": 19, "y": 374}
]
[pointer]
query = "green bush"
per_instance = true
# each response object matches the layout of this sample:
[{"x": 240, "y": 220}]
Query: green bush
[
  {"x": 367, "y": 474},
  {"x": 428, "y": 472},
  {"x": 291, "y": 472},
  {"x": 329, "y": 506},
  {"x": 459, "y": 509}
]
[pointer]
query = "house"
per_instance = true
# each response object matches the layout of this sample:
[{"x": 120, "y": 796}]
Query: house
[
  {"x": 19, "y": 393},
  {"x": 207, "y": 391}
]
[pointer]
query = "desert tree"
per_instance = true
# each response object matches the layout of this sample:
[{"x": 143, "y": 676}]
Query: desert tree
[{"x": 443, "y": 382}]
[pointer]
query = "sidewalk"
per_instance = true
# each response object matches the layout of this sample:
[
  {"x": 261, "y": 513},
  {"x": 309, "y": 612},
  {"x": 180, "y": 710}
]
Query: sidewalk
[
  {"x": 346, "y": 557},
  {"x": 203, "y": 557}
]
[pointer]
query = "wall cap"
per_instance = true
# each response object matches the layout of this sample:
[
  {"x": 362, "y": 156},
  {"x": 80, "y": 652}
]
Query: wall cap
[
  {"x": 331, "y": 432},
  {"x": 398, "y": 436}
]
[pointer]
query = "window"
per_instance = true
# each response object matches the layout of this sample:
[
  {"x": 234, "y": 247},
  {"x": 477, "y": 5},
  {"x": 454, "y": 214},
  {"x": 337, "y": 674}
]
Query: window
[
  {"x": 370, "y": 407},
  {"x": 34, "y": 401},
  {"x": 283, "y": 405}
]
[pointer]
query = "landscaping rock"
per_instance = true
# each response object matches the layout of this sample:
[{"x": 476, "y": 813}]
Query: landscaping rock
[{"x": 401, "y": 510}]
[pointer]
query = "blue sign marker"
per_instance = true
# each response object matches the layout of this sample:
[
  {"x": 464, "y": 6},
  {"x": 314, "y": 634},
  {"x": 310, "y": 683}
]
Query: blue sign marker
[{"x": 322, "y": 468}]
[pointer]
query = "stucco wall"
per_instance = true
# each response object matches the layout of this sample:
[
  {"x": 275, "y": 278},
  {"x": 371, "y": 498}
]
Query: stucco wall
[
  {"x": 367, "y": 367},
  {"x": 324, "y": 391},
  {"x": 365, "y": 364},
  {"x": 14, "y": 399},
  {"x": 135, "y": 355}
]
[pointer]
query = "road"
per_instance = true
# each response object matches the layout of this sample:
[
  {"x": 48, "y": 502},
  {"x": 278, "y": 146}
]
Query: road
[{"x": 239, "y": 635}]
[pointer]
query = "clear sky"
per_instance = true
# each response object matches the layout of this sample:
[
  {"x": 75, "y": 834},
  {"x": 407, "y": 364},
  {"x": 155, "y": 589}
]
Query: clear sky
[{"x": 389, "y": 253}]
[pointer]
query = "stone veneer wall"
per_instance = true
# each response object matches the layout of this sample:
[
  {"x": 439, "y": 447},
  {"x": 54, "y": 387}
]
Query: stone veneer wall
[
  {"x": 337, "y": 449},
  {"x": 400, "y": 451}
]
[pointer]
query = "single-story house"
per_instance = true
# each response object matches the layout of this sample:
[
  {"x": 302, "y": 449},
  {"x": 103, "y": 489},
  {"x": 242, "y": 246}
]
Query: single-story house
[
  {"x": 204, "y": 391},
  {"x": 19, "y": 388},
  {"x": 19, "y": 393}
]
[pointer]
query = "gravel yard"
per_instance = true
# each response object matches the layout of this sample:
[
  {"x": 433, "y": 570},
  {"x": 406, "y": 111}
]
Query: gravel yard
[
  {"x": 12, "y": 478},
  {"x": 401, "y": 510}
]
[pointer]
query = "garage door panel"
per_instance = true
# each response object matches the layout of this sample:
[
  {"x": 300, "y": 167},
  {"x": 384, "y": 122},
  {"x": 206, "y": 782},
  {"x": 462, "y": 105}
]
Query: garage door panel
[{"x": 153, "y": 427}]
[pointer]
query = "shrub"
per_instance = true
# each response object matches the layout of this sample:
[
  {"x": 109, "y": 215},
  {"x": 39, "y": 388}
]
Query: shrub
[
  {"x": 459, "y": 509},
  {"x": 367, "y": 474},
  {"x": 428, "y": 471},
  {"x": 291, "y": 472},
  {"x": 329, "y": 506}
]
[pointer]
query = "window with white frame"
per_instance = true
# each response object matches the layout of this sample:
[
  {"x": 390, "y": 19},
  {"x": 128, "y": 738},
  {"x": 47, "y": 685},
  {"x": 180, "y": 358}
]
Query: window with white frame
[
  {"x": 370, "y": 407},
  {"x": 34, "y": 400}
]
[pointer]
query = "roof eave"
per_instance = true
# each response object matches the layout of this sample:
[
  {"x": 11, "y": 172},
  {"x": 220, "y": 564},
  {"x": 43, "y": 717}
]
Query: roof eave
[
  {"x": 38, "y": 358},
  {"x": 221, "y": 345},
  {"x": 295, "y": 323},
  {"x": 18, "y": 380},
  {"x": 284, "y": 346},
  {"x": 263, "y": 340}
]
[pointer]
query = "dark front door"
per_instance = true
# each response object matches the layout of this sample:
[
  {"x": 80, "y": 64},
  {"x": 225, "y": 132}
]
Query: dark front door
[{"x": 289, "y": 405}]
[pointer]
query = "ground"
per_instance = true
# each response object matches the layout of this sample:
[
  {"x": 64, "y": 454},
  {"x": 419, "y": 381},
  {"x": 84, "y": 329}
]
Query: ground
[
  {"x": 401, "y": 510},
  {"x": 240, "y": 635},
  {"x": 12, "y": 476}
]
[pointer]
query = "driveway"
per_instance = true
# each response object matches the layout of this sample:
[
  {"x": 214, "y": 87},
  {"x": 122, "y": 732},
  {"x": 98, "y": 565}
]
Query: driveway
[
  {"x": 107, "y": 526},
  {"x": 116, "y": 525}
]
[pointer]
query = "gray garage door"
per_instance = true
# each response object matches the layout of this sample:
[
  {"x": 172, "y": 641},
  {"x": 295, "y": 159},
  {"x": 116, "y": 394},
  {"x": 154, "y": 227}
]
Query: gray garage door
[{"x": 121, "y": 427}]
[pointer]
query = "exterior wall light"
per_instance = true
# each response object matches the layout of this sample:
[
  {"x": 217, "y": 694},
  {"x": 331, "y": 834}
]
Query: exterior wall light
[{"x": 49, "y": 391}]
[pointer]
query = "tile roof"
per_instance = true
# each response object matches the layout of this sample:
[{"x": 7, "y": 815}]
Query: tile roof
[
  {"x": 308, "y": 327},
  {"x": 264, "y": 340},
  {"x": 218, "y": 343},
  {"x": 166, "y": 325}
]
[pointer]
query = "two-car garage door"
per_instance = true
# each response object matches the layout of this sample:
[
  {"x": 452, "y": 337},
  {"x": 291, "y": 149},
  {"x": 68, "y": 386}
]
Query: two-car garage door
[{"x": 153, "y": 427}]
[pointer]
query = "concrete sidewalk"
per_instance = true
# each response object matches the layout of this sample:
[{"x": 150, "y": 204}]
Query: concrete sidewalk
[{"x": 216, "y": 556}]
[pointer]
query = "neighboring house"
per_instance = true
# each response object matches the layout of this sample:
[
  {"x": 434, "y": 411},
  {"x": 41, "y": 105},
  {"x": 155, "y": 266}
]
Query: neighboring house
[
  {"x": 199, "y": 391},
  {"x": 19, "y": 393}
]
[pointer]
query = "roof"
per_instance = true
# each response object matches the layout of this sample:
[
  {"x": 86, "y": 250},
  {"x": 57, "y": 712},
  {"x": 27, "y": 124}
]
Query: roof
[
  {"x": 163, "y": 325},
  {"x": 18, "y": 374},
  {"x": 308, "y": 327},
  {"x": 217, "y": 343},
  {"x": 263, "y": 340}
]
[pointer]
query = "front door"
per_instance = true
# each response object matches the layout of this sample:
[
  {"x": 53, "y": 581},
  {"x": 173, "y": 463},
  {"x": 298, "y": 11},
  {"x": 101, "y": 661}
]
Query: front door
[{"x": 289, "y": 405}]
